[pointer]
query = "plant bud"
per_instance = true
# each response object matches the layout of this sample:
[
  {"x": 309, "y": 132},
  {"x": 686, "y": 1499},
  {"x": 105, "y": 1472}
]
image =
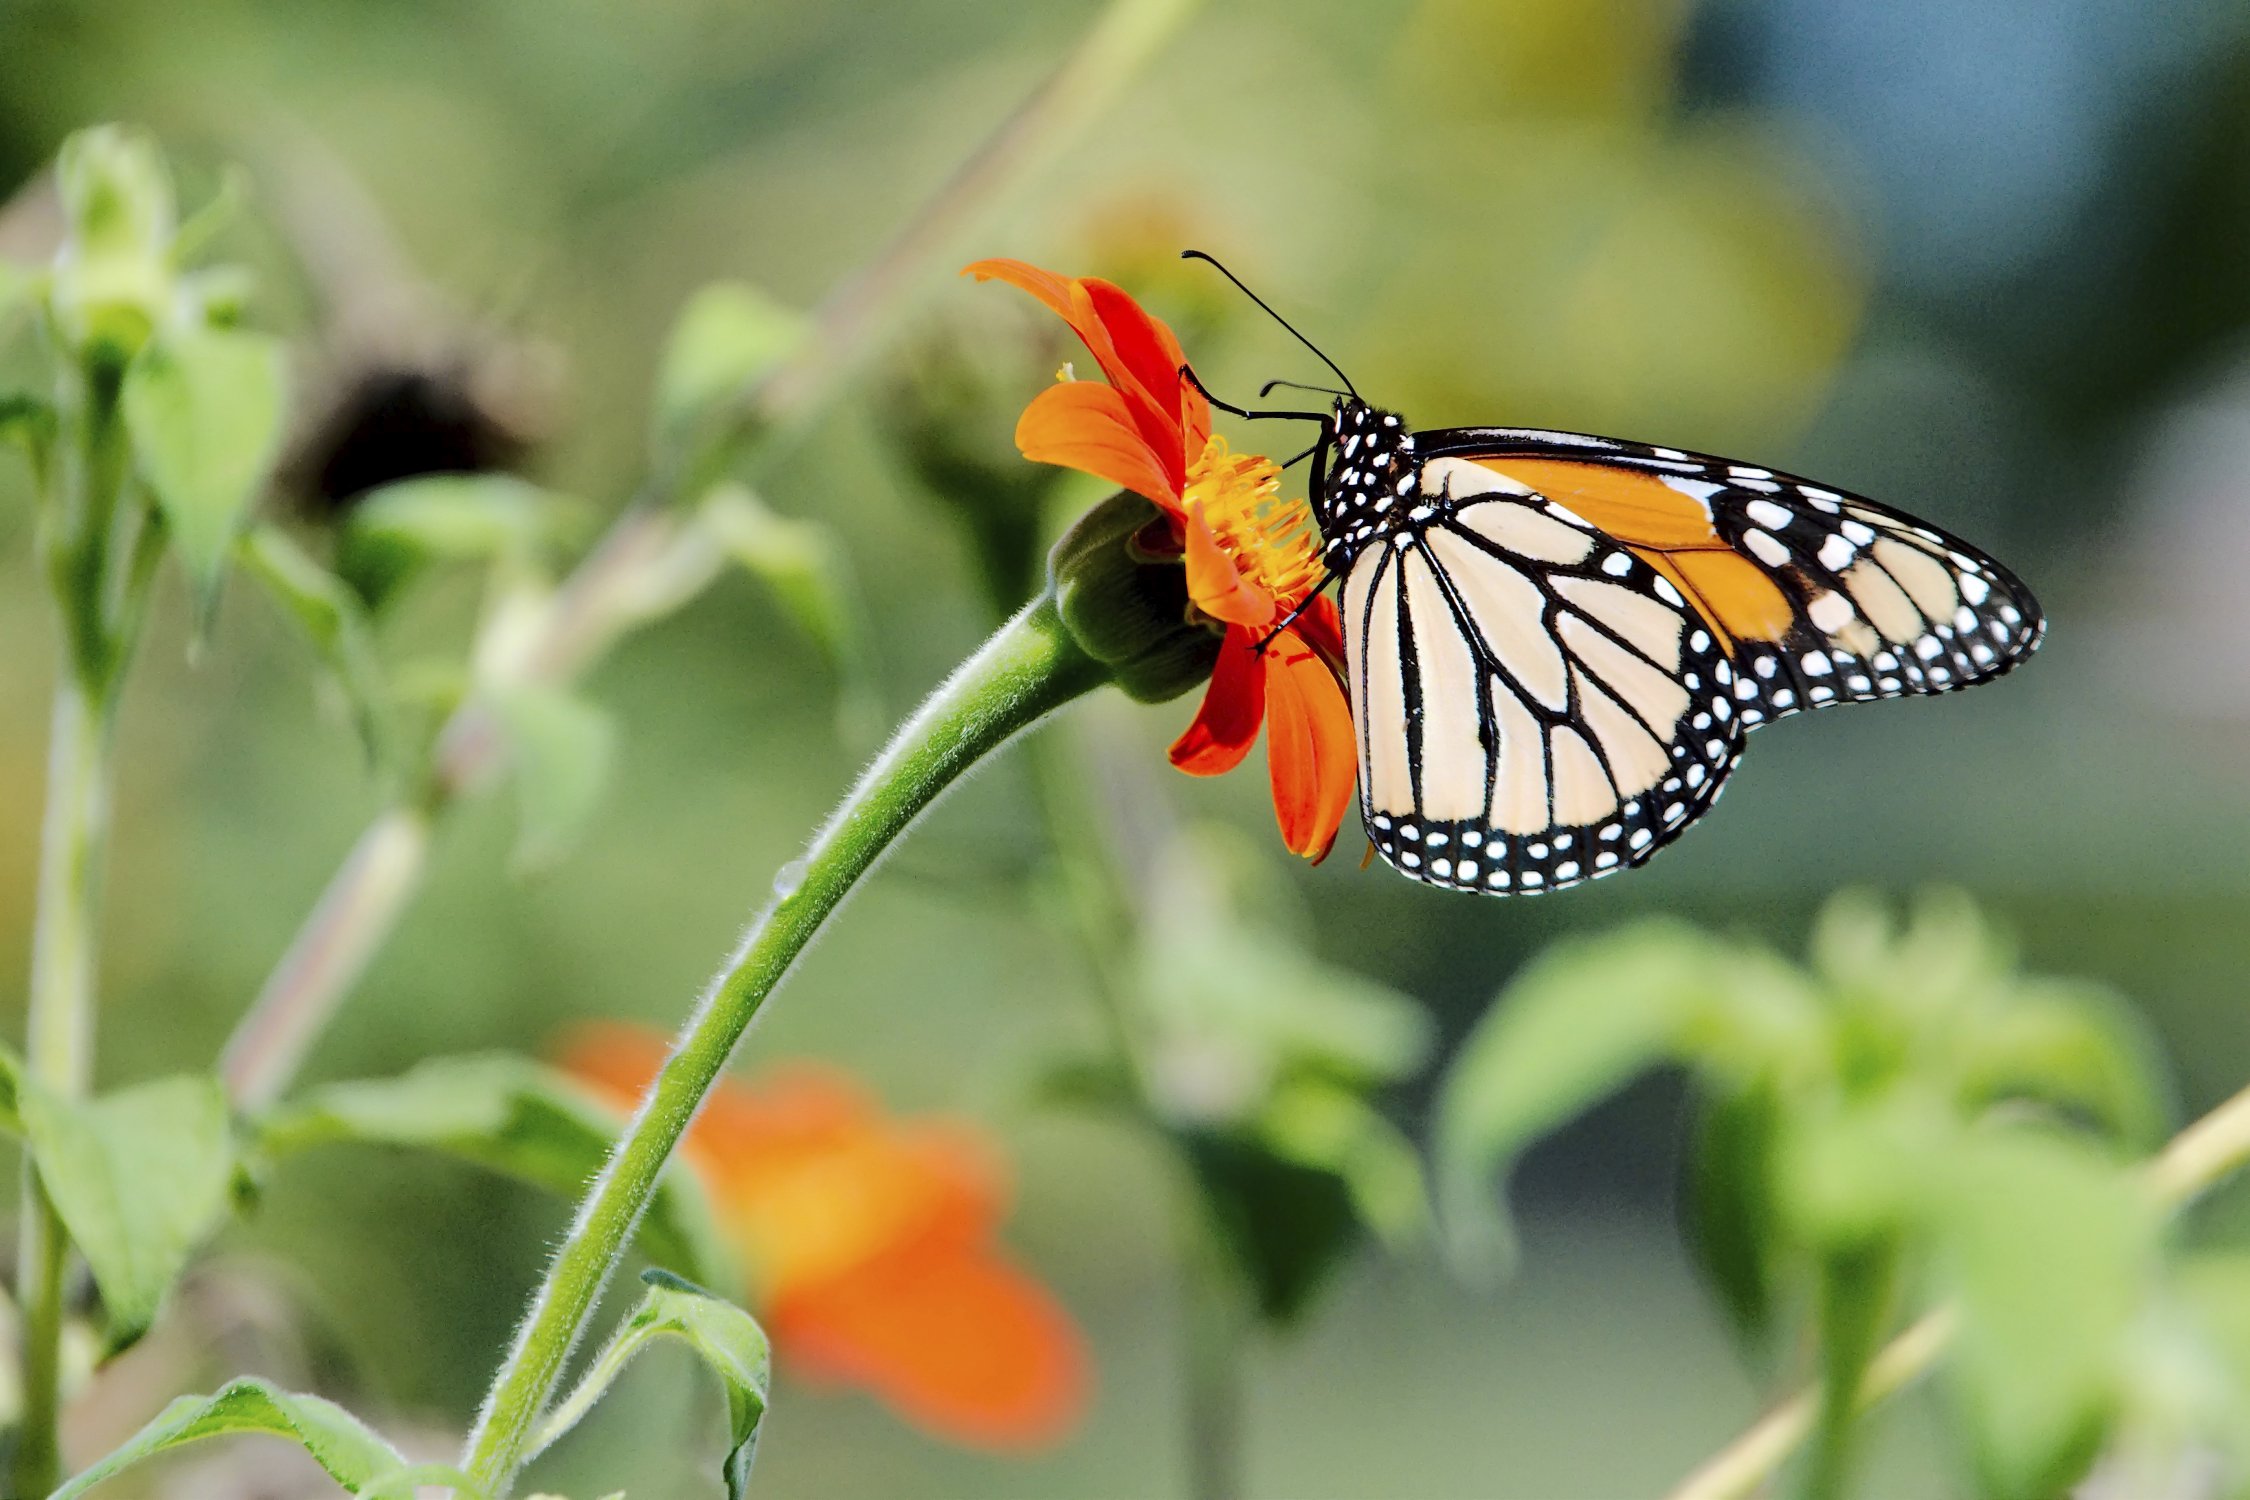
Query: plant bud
[
  {"x": 113, "y": 276},
  {"x": 1127, "y": 606}
]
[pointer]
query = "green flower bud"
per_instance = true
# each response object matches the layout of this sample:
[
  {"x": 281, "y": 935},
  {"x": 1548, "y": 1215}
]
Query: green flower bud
[
  {"x": 1127, "y": 607},
  {"x": 113, "y": 276}
]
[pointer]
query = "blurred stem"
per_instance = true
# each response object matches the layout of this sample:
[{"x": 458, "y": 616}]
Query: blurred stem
[
  {"x": 1213, "y": 1315},
  {"x": 357, "y": 911},
  {"x": 97, "y": 613},
  {"x": 1029, "y": 668},
  {"x": 2198, "y": 1159},
  {"x": 1857, "y": 1287},
  {"x": 307, "y": 987}
]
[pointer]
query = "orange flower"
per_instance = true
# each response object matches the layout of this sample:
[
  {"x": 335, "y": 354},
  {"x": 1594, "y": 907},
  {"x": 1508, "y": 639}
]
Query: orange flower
[
  {"x": 1252, "y": 557},
  {"x": 870, "y": 1247}
]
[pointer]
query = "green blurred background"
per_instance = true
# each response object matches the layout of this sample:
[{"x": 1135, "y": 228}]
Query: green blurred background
[{"x": 1980, "y": 260}]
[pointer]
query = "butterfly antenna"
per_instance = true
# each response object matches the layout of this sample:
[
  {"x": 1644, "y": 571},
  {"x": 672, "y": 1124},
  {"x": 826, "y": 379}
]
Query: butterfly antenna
[
  {"x": 1298, "y": 385},
  {"x": 1187, "y": 373},
  {"x": 1277, "y": 317}
]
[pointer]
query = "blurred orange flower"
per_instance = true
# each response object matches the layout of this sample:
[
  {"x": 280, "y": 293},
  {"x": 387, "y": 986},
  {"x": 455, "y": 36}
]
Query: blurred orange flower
[
  {"x": 1252, "y": 557},
  {"x": 870, "y": 1243}
]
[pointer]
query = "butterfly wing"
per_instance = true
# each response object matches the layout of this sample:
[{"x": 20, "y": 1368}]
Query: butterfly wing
[
  {"x": 1553, "y": 662},
  {"x": 1535, "y": 705}
]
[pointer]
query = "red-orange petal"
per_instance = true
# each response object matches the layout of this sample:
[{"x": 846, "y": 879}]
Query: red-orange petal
[
  {"x": 959, "y": 1341},
  {"x": 1234, "y": 704},
  {"x": 1216, "y": 587},
  {"x": 1138, "y": 355},
  {"x": 1310, "y": 749},
  {"x": 1085, "y": 426},
  {"x": 1024, "y": 276},
  {"x": 1146, "y": 349}
]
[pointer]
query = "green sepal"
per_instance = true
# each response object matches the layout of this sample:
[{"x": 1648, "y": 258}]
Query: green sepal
[{"x": 1129, "y": 610}]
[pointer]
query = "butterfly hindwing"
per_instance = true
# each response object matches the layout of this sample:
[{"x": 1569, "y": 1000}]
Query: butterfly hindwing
[{"x": 1565, "y": 714}]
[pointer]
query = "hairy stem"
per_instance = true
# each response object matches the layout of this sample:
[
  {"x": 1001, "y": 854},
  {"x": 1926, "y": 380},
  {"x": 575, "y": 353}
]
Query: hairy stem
[
  {"x": 1027, "y": 669},
  {"x": 2197, "y": 1160}
]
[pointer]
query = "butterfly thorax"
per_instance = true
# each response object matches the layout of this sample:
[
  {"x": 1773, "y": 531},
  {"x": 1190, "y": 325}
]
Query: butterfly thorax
[{"x": 1370, "y": 481}]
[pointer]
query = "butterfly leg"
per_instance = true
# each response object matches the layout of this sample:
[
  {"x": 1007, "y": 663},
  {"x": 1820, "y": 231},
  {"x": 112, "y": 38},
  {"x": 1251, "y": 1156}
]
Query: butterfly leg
[{"x": 1290, "y": 618}]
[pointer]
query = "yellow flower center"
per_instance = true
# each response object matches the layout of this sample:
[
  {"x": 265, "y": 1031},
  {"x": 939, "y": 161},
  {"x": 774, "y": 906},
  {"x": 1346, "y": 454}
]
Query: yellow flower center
[{"x": 1272, "y": 542}]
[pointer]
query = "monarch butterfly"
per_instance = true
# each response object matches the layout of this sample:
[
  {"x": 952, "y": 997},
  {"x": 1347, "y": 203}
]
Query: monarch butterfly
[{"x": 1556, "y": 643}]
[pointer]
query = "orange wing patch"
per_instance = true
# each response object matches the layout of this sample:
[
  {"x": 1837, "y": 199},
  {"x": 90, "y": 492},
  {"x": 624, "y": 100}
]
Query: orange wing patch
[{"x": 1669, "y": 531}]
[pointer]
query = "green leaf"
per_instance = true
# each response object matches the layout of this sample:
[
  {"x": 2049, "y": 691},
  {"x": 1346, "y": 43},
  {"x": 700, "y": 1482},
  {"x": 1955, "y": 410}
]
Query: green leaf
[
  {"x": 1859, "y": 1169},
  {"x": 392, "y": 532},
  {"x": 730, "y": 335},
  {"x": 1229, "y": 987},
  {"x": 728, "y": 1339},
  {"x": 1733, "y": 1224},
  {"x": 2050, "y": 1250},
  {"x": 2075, "y": 1046},
  {"x": 512, "y": 1116},
  {"x": 1286, "y": 1225},
  {"x": 1580, "y": 1022},
  {"x": 1315, "y": 1123},
  {"x": 204, "y": 409},
  {"x": 333, "y": 620},
  {"x": 564, "y": 747},
  {"x": 802, "y": 563},
  {"x": 339, "y": 1442},
  {"x": 140, "y": 1177}
]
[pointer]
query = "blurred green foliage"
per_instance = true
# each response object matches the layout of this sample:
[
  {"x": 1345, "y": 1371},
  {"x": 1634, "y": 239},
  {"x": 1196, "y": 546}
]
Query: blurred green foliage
[
  {"x": 1906, "y": 1118},
  {"x": 1616, "y": 217}
]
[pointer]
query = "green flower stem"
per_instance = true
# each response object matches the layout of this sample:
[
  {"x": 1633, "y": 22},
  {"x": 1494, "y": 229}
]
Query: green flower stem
[
  {"x": 94, "y": 609},
  {"x": 2198, "y": 1159},
  {"x": 59, "y": 1044},
  {"x": 1029, "y": 668}
]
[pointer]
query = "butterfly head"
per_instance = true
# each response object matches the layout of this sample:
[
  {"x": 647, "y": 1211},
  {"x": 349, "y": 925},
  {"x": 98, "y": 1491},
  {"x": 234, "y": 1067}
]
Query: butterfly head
[{"x": 1366, "y": 480}]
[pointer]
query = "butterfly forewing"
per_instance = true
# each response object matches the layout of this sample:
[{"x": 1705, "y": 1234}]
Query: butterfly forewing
[{"x": 1556, "y": 642}]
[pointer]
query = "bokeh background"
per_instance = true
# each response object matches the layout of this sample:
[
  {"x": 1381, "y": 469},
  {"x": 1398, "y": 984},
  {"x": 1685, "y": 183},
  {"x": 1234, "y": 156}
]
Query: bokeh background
[{"x": 1982, "y": 260}]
